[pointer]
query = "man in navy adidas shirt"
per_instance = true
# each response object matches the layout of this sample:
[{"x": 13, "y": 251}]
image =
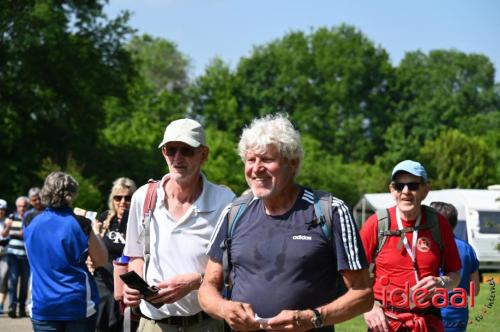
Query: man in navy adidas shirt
[{"x": 284, "y": 265}]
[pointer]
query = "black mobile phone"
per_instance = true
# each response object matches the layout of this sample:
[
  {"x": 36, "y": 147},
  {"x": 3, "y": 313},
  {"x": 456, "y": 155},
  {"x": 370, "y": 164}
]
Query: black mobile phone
[{"x": 133, "y": 280}]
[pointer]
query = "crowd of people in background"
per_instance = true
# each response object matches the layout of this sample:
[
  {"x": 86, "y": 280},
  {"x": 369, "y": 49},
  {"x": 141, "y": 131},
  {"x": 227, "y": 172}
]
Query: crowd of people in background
[{"x": 268, "y": 260}]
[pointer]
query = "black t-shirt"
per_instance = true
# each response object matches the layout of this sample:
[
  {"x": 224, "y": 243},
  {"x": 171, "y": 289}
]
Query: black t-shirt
[
  {"x": 114, "y": 238},
  {"x": 281, "y": 262}
]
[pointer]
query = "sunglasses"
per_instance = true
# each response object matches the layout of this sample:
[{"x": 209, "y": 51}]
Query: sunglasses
[
  {"x": 185, "y": 151},
  {"x": 399, "y": 186},
  {"x": 118, "y": 198}
]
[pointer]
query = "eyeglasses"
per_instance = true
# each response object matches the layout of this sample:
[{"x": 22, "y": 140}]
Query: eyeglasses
[
  {"x": 399, "y": 186},
  {"x": 185, "y": 151},
  {"x": 118, "y": 198}
]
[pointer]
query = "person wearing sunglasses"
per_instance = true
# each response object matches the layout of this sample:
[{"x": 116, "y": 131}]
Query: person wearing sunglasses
[
  {"x": 111, "y": 227},
  {"x": 186, "y": 209},
  {"x": 417, "y": 240}
]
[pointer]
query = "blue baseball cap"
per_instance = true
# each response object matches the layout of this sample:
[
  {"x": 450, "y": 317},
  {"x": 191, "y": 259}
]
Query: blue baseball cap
[{"x": 412, "y": 167}]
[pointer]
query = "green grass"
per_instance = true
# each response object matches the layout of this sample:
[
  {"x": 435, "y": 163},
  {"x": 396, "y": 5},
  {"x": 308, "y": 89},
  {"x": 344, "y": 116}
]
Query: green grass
[{"x": 490, "y": 318}]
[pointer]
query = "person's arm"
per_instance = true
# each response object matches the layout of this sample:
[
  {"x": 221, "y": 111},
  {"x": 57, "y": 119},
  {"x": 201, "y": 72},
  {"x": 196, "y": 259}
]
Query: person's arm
[
  {"x": 474, "y": 277},
  {"x": 132, "y": 297},
  {"x": 357, "y": 300},
  {"x": 6, "y": 227},
  {"x": 238, "y": 315},
  {"x": 97, "y": 250},
  {"x": 175, "y": 288}
]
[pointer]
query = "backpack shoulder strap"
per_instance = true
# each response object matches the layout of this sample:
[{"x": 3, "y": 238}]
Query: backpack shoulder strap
[
  {"x": 433, "y": 226},
  {"x": 323, "y": 211},
  {"x": 383, "y": 225},
  {"x": 147, "y": 213},
  {"x": 238, "y": 207}
]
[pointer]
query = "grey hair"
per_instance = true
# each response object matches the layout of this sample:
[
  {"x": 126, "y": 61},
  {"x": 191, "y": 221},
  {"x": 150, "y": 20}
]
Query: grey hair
[
  {"x": 59, "y": 190},
  {"x": 35, "y": 191},
  {"x": 118, "y": 184},
  {"x": 23, "y": 198},
  {"x": 274, "y": 130}
]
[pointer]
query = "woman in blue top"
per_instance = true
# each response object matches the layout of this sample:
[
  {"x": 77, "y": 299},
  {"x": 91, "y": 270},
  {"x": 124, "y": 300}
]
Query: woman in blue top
[{"x": 64, "y": 293}]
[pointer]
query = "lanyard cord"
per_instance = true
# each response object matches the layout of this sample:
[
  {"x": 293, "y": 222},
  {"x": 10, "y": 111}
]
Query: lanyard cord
[{"x": 413, "y": 251}]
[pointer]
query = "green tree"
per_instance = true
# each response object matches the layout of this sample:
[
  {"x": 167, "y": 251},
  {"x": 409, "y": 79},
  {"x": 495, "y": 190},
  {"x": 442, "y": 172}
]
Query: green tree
[
  {"x": 443, "y": 89},
  {"x": 89, "y": 197},
  {"x": 214, "y": 99},
  {"x": 334, "y": 84},
  {"x": 455, "y": 160},
  {"x": 160, "y": 63},
  {"x": 347, "y": 181},
  {"x": 133, "y": 127},
  {"x": 224, "y": 165},
  {"x": 58, "y": 61}
]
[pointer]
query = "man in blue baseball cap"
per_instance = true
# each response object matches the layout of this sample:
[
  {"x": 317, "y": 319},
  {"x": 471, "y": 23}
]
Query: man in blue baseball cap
[{"x": 406, "y": 244}]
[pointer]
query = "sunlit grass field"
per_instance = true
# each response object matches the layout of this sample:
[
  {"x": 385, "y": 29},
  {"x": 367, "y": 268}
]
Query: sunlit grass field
[{"x": 481, "y": 318}]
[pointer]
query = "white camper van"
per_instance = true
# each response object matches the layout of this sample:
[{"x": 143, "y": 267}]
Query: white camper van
[{"x": 478, "y": 218}]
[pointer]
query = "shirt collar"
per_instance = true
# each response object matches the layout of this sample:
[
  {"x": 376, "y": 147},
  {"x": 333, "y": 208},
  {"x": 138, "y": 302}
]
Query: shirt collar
[{"x": 206, "y": 202}]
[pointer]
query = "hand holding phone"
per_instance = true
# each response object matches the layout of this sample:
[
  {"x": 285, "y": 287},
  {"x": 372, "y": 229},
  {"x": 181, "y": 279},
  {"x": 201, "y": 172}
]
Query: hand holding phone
[{"x": 133, "y": 280}]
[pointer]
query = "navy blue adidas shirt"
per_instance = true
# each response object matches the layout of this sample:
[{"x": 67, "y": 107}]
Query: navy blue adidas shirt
[{"x": 281, "y": 262}]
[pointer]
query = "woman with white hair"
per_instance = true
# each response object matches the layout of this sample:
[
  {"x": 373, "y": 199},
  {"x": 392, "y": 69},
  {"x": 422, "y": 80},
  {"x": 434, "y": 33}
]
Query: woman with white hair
[
  {"x": 111, "y": 226},
  {"x": 64, "y": 293}
]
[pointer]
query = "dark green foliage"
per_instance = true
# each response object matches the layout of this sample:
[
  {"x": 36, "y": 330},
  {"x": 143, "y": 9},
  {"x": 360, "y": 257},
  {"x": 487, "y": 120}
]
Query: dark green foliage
[
  {"x": 75, "y": 96},
  {"x": 455, "y": 160},
  {"x": 58, "y": 61}
]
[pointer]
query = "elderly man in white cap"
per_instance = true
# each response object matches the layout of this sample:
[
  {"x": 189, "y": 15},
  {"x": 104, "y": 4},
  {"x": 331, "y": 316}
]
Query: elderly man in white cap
[
  {"x": 170, "y": 252},
  {"x": 409, "y": 244}
]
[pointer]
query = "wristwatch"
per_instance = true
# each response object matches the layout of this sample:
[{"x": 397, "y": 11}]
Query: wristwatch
[
  {"x": 317, "y": 321},
  {"x": 202, "y": 277},
  {"x": 443, "y": 282}
]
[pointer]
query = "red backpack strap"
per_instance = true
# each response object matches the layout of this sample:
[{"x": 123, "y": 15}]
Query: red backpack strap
[
  {"x": 150, "y": 200},
  {"x": 147, "y": 213}
]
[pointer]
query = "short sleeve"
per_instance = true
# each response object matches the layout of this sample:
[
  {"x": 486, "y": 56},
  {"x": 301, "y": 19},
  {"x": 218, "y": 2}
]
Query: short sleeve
[
  {"x": 474, "y": 260},
  {"x": 369, "y": 236},
  {"x": 134, "y": 243},
  {"x": 452, "y": 263},
  {"x": 220, "y": 233},
  {"x": 348, "y": 246}
]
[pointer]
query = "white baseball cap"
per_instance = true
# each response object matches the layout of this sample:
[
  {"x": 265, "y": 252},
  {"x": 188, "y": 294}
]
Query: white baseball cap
[
  {"x": 186, "y": 131},
  {"x": 3, "y": 204}
]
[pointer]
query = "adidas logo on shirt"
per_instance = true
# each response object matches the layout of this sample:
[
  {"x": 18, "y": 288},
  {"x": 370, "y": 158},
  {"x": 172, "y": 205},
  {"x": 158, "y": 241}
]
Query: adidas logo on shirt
[{"x": 302, "y": 237}]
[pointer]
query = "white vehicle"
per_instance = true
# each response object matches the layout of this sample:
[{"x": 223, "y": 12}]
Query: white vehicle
[{"x": 478, "y": 218}]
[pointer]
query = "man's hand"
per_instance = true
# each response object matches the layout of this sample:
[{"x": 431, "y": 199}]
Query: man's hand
[
  {"x": 290, "y": 320},
  {"x": 376, "y": 320},
  {"x": 175, "y": 288},
  {"x": 239, "y": 316},
  {"x": 90, "y": 265},
  {"x": 430, "y": 283},
  {"x": 131, "y": 297}
]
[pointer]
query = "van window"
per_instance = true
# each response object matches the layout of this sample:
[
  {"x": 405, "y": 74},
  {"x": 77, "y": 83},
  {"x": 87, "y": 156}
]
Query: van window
[
  {"x": 460, "y": 230},
  {"x": 489, "y": 222}
]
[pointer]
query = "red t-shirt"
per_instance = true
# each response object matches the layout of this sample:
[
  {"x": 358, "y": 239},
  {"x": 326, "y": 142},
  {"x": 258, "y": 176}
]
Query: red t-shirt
[{"x": 394, "y": 267}]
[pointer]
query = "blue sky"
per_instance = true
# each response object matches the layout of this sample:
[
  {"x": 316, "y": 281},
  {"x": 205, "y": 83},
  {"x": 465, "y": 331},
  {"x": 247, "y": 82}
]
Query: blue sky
[{"x": 205, "y": 29}]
